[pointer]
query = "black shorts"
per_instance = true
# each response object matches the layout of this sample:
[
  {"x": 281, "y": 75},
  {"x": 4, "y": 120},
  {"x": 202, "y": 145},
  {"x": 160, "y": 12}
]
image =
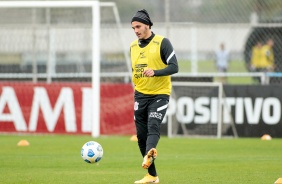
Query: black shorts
[{"x": 149, "y": 111}]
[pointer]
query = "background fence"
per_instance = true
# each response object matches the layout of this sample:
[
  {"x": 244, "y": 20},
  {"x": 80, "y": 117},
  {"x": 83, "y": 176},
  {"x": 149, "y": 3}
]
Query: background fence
[{"x": 58, "y": 40}]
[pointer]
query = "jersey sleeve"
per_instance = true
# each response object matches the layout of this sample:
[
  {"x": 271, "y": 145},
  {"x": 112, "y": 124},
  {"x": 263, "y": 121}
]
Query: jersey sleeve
[{"x": 169, "y": 58}]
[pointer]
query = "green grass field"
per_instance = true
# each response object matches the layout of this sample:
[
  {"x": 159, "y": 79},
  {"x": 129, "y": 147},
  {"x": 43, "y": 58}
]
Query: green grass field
[
  {"x": 209, "y": 67},
  {"x": 56, "y": 159}
]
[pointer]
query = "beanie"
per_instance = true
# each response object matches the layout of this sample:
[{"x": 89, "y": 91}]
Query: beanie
[{"x": 142, "y": 16}]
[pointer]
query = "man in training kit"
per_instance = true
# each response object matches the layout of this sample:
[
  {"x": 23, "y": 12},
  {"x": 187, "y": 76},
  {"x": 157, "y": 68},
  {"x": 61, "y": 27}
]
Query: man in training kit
[{"x": 153, "y": 61}]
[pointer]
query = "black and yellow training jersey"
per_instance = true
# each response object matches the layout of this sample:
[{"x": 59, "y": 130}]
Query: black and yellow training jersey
[{"x": 149, "y": 57}]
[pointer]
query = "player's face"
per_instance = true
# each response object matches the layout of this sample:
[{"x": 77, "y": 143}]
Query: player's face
[{"x": 141, "y": 30}]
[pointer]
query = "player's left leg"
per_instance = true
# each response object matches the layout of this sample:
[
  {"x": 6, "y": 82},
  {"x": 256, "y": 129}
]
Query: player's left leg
[{"x": 157, "y": 110}]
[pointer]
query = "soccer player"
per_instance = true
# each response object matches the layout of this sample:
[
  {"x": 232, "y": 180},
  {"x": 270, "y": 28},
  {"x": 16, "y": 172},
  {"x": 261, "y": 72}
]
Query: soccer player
[{"x": 153, "y": 62}]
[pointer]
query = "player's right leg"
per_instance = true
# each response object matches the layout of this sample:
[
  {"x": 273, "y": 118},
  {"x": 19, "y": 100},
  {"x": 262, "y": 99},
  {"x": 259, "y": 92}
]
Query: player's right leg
[
  {"x": 140, "y": 118},
  {"x": 148, "y": 179}
]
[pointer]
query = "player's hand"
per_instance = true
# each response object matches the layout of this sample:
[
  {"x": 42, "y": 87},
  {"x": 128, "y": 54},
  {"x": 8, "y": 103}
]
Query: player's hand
[{"x": 149, "y": 72}]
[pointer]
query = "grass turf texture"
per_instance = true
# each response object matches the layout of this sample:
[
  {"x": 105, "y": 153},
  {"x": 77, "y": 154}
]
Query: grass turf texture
[
  {"x": 209, "y": 67},
  {"x": 56, "y": 159}
]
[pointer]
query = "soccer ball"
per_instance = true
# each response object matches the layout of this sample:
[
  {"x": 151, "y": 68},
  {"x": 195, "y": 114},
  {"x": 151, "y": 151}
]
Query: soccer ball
[{"x": 91, "y": 152}]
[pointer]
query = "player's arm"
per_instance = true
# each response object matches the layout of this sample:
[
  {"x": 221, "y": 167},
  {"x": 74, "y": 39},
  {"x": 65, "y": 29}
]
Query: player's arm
[{"x": 169, "y": 58}]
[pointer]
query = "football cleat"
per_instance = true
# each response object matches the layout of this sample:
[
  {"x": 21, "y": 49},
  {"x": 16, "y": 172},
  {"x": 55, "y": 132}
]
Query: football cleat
[
  {"x": 148, "y": 179},
  {"x": 149, "y": 158}
]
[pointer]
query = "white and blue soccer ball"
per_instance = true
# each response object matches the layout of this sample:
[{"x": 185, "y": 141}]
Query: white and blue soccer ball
[{"x": 92, "y": 152}]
